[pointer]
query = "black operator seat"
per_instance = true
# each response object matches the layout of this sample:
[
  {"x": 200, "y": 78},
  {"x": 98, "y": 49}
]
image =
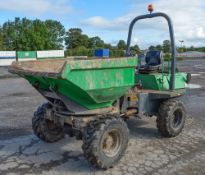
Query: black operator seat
[{"x": 153, "y": 61}]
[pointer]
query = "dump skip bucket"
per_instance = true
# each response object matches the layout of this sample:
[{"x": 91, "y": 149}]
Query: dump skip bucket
[{"x": 93, "y": 83}]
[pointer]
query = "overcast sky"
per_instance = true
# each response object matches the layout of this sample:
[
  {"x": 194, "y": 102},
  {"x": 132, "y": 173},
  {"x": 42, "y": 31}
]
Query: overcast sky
[{"x": 110, "y": 19}]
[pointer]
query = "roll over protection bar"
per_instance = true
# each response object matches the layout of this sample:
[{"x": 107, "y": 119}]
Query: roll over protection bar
[{"x": 172, "y": 39}]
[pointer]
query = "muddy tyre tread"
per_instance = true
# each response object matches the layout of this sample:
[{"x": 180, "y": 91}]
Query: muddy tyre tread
[
  {"x": 164, "y": 116},
  {"x": 41, "y": 129},
  {"x": 91, "y": 136}
]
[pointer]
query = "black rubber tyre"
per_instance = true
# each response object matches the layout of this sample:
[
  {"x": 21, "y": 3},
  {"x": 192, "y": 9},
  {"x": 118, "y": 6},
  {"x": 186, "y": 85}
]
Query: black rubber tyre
[
  {"x": 105, "y": 142},
  {"x": 171, "y": 118},
  {"x": 44, "y": 129}
]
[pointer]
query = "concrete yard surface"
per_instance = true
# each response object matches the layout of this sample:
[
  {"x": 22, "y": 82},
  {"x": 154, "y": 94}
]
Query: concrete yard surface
[{"x": 21, "y": 152}]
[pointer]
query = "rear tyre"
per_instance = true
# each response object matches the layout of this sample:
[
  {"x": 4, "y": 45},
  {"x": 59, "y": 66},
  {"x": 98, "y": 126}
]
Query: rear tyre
[
  {"x": 105, "y": 141},
  {"x": 171, "y": 118},
  {"x": 44, "y": 129}
]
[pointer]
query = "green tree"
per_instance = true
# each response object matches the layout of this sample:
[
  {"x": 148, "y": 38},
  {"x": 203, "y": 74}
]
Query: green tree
[
  {"x": 25, "y": 34},
  {"x": 56, "y": 33},
  {"x": 39, "y": 36},
  {"x": 95, "y": 42},
  {"x": 9, "y": 34},
  {"x": 1, "y": 39},
  {"x": 135, "y": 49},
  {"x": 159, "y": 48},
  {"x": 166, "y": 46},
  {"x": 108, "y": 46},
  {"x": 121, "y": 45},
  {"x": 74, "y": 38},
  {"x": 192, "y": 48},
  {"x": 152, "y": 48}
]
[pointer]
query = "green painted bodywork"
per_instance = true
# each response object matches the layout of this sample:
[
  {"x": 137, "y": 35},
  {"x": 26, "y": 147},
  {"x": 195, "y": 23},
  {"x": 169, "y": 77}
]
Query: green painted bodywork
[
  {"x": 159, "y": 81},
  {"x": 93, "y": 83}
]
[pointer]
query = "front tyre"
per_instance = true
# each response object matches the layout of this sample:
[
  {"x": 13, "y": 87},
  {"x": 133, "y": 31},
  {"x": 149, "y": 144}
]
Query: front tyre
[
  {"x": 44, "y": 129},
  {"x": 105, "y": 141},
  {"x": 171, "y": 118}
]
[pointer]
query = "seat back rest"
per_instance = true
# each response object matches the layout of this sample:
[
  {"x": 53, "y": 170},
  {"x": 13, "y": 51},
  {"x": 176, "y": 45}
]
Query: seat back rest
[{"x": 154, "y": 58}]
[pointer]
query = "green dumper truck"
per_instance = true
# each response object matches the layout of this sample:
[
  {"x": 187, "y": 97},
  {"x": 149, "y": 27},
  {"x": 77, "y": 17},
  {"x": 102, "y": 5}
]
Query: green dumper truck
[{"x": 91, "y": 99}]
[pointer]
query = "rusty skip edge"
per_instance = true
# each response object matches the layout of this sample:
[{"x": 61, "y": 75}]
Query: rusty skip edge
[
  {"x": 55, "y": 68},
  {"x": 36, "y": 68}
]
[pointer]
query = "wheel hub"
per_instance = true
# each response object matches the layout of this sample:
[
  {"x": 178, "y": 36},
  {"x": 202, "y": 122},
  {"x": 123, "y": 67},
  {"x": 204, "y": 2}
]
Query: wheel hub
[
  {"x": 111, "y": 143},
  {"x": 177, "y": 118}
]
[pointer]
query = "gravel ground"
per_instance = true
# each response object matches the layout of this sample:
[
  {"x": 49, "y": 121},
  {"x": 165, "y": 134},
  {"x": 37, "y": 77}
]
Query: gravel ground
[{"x": 148, "y": 153}]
